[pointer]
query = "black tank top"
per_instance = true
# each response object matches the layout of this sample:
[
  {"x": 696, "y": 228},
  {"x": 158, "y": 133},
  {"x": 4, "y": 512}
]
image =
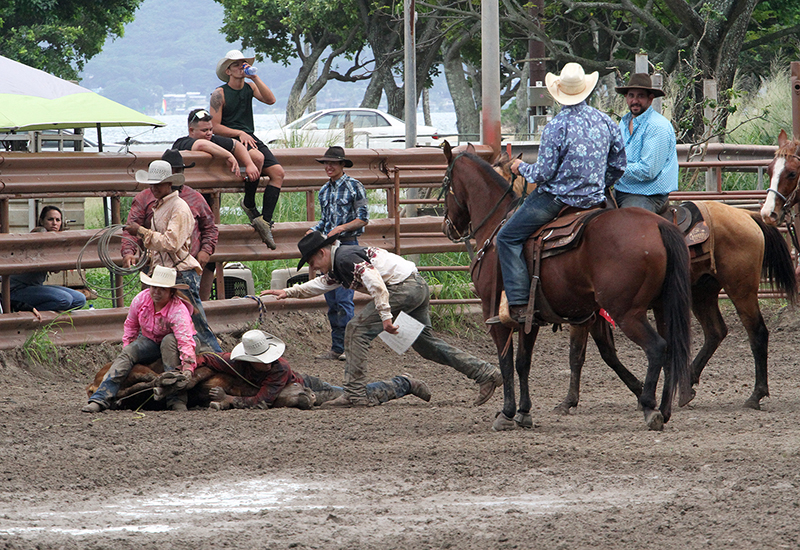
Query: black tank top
[{"x": 238, "y": 110}]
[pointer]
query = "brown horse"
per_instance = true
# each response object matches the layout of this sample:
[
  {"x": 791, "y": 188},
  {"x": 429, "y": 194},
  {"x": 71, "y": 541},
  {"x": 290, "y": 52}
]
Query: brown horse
[
  {"x": 627, "y": 262},
  {"x": 744, "y": 250},
  {"x": 784, "y": 172}
]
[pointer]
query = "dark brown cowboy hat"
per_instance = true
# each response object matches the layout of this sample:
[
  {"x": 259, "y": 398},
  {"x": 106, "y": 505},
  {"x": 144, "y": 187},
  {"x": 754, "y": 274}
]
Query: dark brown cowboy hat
[
  {"x": 174, "y": 157},
  {"x": 310, "y": 243},
  {"x": 640, "y": 81},
  {"x": 336, "y": 154}
]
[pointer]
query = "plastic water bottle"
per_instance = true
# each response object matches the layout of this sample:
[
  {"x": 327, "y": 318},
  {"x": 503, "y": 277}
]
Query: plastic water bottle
[
  {"x": 91, "y": 306},
  {"x": 250, "y": 70}
]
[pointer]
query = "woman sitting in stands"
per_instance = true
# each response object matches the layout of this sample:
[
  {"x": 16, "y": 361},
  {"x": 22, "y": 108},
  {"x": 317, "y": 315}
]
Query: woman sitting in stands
[
  {"x": 158, "y": 326},
  {"x": 28, "y": 289}
]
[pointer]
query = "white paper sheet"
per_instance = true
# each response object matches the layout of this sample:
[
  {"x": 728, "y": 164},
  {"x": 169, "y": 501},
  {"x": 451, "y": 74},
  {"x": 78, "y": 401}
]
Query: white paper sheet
[{"x": 408, "y": 330}]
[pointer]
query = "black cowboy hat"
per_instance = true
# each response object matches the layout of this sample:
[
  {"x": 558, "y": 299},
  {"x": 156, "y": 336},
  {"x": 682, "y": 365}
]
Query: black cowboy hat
[
  {"x": 640, "y": 81},
  {"x": 310, "y": 243},
  {"x": 174, "y": 157},
  {"x": 336, "y": 154}
]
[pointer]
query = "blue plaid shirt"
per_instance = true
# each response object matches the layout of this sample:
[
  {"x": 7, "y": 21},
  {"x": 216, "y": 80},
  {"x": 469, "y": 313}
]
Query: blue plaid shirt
[
  {"x": 342, "y": 201},
  {"x": 652, "y": 157},
  {"x": 581, "y": 153}
]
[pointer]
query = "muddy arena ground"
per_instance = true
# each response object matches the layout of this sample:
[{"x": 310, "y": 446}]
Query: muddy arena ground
[{"x": 408, "y": 474}]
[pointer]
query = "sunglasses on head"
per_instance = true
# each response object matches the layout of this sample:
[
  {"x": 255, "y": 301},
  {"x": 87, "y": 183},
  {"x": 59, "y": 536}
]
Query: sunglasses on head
[{"x": 200, "y": 115}]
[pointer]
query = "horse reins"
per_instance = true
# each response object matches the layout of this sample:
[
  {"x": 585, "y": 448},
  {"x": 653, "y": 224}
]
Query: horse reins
[{"x": 447, "y": 188}]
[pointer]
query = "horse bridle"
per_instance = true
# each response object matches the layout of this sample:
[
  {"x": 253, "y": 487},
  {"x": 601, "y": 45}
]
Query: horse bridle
[
  {"x": 788, "y": 202},
  {"x": 447, "y": 188}
]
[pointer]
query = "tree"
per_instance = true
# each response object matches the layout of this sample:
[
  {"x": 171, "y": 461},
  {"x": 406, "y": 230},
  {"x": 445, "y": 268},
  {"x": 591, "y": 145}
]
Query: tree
[
  {"x": 690, "y": 42},
  {"x": 60, "y": 36}
]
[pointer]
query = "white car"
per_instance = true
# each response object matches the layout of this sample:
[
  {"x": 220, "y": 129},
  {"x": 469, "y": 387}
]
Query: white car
[{"x": 372, "y": 129}]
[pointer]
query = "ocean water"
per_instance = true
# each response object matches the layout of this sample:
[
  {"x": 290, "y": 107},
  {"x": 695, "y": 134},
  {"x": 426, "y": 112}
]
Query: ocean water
[{"x": 145, "y": 138}]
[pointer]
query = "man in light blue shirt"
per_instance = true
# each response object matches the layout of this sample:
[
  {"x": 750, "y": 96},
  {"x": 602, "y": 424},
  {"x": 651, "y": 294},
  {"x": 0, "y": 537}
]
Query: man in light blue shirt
[
  {"x": 652, "y": 171},
  {"x": 580, "y": 154}
]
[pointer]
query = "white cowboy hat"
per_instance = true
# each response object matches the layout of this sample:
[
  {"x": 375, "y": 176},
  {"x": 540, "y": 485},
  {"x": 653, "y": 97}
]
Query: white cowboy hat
[
  {"x": 225, "y": 62},
  {"x": 258, "y": 347},
  {"x": 159, "y": 171},
  {"x": 572, "y": 86},
  {"x": 163, "y": 277}
]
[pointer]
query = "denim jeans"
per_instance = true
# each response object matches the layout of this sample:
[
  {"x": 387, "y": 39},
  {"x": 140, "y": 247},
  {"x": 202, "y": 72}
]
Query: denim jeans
[
  {"x": 538, "y": 209},
  {"x": 340, "y": 310},
  {"x": 49, "y": 297},
  {"x": 413, "y": 297},
  {"x": 653, "y": 203},
  {"x": 142, "y": 350},
  {"x": 204, "y": 334},
  {"x": 377, "y": 392}
]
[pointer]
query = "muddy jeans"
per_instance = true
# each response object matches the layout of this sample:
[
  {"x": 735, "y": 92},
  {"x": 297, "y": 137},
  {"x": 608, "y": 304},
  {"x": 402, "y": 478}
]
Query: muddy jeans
[
  {"x": 413, "y": 297},
  {"x": 377, "y": 392},
  {"x": 142, "y": 350}
]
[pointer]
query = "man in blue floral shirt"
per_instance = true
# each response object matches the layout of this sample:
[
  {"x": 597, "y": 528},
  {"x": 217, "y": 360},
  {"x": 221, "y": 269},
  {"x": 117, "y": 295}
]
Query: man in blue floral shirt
[
  {"x": 652, "y": 171},
  {"x": 343, "y": 209},
  {"x": 580, "y": 154}
]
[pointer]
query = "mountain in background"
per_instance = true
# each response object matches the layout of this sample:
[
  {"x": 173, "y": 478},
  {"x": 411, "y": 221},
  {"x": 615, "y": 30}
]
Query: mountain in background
[{"x": 172, "y": 47}]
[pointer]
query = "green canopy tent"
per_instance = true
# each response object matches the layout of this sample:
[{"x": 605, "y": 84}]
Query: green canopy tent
[{"x": 33, "y": 100}]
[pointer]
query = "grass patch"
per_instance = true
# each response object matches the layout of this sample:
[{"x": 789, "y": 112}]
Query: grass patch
[{"x": 39, "y": 347}]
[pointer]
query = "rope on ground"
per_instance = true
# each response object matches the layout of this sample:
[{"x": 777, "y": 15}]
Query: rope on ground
[{"x": 103, "y": 238}]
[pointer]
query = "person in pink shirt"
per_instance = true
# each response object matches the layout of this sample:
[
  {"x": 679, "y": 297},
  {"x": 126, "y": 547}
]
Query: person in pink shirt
[{"x": 159, "y": 325}]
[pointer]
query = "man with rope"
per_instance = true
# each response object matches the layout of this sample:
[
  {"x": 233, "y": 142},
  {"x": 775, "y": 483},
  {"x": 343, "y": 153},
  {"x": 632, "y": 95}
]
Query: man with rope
[
  {"x": 258, "y": 360},
  {"x": 169, "y": 240}
]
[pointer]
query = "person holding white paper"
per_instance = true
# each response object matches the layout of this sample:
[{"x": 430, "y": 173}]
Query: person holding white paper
[{"x": 395, "y": 285}]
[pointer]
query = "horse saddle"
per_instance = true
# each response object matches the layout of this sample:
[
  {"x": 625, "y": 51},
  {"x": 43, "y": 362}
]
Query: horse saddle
[
  {"x": 564, "y": 232},
  {"x": 692, "y": 222},
  {"x": 556, "y": 237}
]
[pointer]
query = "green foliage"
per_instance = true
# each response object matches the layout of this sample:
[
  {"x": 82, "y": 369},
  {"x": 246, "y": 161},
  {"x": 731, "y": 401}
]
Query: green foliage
[
  {"x": 39, "y": 348},
  {"x": 59, "y": 37}
]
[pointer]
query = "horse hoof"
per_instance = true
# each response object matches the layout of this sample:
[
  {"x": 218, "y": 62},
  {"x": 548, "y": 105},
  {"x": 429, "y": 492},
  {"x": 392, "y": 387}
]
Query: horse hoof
[
  {"x": 502, "y": 423},
  {"x": 685, "y": 400},
  {"x": 523, "y": 420},
  {"x": 562, "y": 409},
  {"x": 654, "y": 421},
  {"x": 752, "y": 404}
]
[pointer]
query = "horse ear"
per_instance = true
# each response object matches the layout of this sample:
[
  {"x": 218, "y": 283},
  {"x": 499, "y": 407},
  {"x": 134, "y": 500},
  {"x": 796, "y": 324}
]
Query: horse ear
[
  {"x": 448, "y": 151},
  {"x": 782, "y": 138},
  {"x": 519, "y": 156},
  {"x": 470, "y": 148}
]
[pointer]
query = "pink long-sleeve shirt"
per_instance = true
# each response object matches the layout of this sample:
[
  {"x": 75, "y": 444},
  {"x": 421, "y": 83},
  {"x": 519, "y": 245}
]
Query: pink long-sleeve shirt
[{"x": 174, "y": 317}]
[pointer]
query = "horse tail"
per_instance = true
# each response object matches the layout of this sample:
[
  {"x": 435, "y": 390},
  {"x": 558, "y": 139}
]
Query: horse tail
[
  {"x": 777, "y": 266},
  {"x": 676, "y": 299}
]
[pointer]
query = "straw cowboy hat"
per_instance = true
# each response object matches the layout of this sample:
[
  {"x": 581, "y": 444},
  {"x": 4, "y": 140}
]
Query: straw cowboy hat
[
  {"x": 640, "y": 81},
  {"x": 310, "y": 243},
  {"x": 159, "y": 171},
  {"x": 225, "y": 62},
  {"x": 258, "y": 347},
  {"x": 336, "y": 154},
  {"x": 163, "y": 277},
  {"x": 572, "y": 86}
]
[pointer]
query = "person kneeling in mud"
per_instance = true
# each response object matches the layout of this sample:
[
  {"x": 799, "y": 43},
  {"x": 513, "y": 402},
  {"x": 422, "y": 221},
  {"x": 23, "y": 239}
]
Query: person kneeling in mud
[{"x": 258, "y": 360}]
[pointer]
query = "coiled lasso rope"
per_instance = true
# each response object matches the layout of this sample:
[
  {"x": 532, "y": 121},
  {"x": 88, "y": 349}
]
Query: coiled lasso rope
[{"x": 103, "y": 238}]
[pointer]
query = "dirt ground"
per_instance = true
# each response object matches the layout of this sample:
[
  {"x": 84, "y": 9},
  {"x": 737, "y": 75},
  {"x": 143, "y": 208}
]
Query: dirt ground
[{"x": 408, "y": 474}]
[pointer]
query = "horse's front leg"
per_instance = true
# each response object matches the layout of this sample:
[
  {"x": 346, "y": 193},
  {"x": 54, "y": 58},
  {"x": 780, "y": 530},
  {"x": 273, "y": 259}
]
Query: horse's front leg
[
  {"x": 578, "y": 341},
  {"x": 502, "y": 337},
  {"x": 524, "y": 352}
]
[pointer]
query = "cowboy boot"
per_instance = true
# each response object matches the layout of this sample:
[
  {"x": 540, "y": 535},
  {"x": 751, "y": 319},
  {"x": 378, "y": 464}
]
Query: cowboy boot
[
  {"x": 252, "y": 213},
  {"x": 264, "y": 230}
]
